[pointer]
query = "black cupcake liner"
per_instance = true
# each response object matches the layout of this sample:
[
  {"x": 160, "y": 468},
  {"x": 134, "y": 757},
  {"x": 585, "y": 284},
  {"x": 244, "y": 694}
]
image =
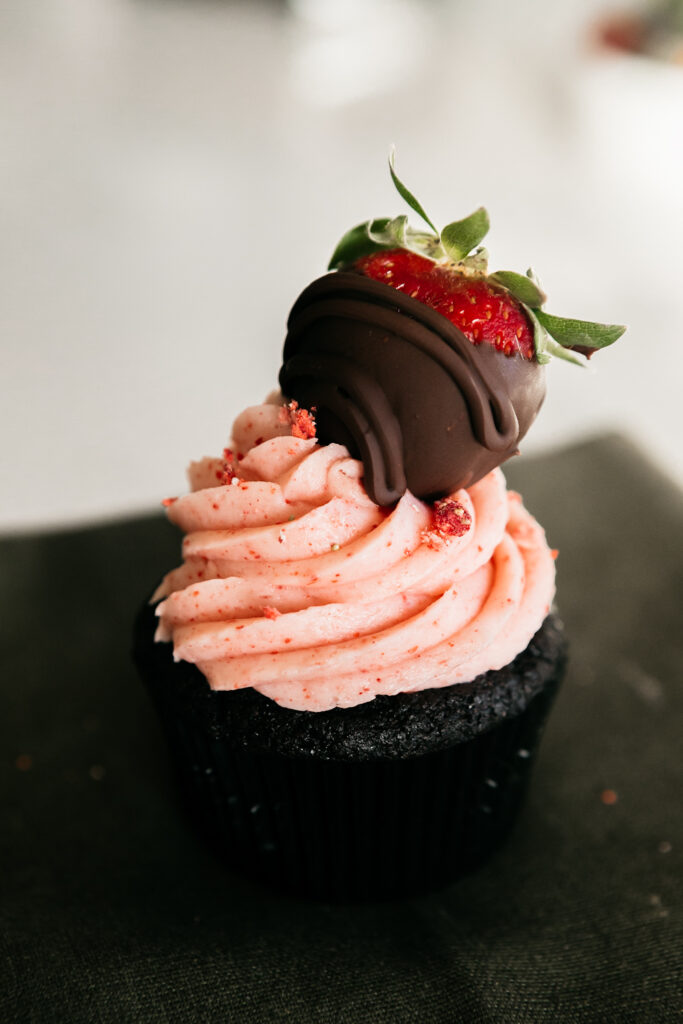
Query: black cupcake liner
[
  {"x": 345, "y": 824},
  {"x": 358, "y": 830}
]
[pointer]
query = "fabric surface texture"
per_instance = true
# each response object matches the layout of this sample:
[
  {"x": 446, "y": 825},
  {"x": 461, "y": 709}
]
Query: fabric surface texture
[{"x": 113, "y": 910}]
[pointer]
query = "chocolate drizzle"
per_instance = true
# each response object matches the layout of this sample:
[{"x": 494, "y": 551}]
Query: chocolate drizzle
[{"x": 403, "y": 388}]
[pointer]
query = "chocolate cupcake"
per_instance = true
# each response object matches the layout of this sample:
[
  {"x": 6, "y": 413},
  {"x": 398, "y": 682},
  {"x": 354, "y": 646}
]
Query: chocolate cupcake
[
  {"x": 389, "y": 798},
  {"x": 355, "y": 659}
]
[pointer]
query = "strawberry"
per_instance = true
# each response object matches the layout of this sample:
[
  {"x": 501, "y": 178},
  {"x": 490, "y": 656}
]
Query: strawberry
[
  {"x": 485, "y": 312},
  {"x": 425, "y": 366},
  {"x": 447, "y": 270}
]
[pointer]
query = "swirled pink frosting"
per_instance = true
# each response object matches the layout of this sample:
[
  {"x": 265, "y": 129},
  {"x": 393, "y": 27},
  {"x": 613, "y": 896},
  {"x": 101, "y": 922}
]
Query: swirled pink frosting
[{"x": 295, "y": 583}]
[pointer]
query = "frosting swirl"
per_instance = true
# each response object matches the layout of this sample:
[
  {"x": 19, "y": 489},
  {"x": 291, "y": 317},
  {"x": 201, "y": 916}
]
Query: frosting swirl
[{"x": 295, "y": 582}]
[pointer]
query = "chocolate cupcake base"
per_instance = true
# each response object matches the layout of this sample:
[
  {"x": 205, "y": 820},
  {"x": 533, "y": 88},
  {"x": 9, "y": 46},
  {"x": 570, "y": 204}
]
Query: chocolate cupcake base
[{"x": 392, "y": 798}]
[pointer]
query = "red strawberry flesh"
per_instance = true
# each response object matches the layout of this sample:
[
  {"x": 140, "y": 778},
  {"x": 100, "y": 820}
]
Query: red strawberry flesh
[{"x": 485, "y": 312}]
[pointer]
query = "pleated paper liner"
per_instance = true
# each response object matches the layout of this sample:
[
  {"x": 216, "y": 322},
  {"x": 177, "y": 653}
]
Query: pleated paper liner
[
  {"x": 362, "y": 830},
  {"x": 357, "y": 827}
]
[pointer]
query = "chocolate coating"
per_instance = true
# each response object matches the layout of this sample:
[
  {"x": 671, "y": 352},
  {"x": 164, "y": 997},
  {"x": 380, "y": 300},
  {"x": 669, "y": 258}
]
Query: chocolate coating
[{"x": 403, "y": 388}]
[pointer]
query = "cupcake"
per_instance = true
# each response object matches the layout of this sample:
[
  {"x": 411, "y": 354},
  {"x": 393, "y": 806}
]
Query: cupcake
[{"x": 355, "y": 658}]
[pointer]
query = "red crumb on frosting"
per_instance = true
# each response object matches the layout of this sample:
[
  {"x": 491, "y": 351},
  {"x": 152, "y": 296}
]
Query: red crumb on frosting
[
  {"x": 227, "y": 474},
  {"x": 167, "y": 502},
  {"x": 554, "y": 553},
  {"x": 301, "y": 420},
  {"x": 270, "y": 613},
  {"x": 449, "y": 519}
]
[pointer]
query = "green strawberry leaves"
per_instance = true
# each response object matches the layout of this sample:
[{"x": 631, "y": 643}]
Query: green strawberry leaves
[
  {"x": 391, "y": 234},
  {"x": 460, "y": 237},
  {"x": 455, "y": 241},
  {"x": 581, "y": 334},
  {"x": 563, "y": 337},
  {"x": 553, "y": 335},
  {"x": 556, "y": 335},
  {"x": 397, "y": 234},
  {"x": 404, "y": 193},
  {"x": 523, "y": 288},
  {"x": 424, "y": 244},
  {"x": 358, "y": 242},
  {"x": 541, "y": 338},
  {"x": 545, "y": 346},
  {"x": 384, "y": 233}
]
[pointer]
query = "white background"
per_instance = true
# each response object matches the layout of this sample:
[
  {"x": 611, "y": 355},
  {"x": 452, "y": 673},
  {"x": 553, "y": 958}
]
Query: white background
[{"x": 172, "y": 174}]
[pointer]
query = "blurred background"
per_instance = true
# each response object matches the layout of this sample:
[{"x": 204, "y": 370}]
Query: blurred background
[{"x": 172, "y": 174}]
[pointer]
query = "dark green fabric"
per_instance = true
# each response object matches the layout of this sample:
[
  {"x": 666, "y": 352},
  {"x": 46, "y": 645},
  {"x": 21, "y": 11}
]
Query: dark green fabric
[{"x": 113, "y": 911}]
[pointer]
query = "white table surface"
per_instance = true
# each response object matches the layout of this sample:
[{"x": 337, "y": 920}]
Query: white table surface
[{"x": 172, "y": 174}]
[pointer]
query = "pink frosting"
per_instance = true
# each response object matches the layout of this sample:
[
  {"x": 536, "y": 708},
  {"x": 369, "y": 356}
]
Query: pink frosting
[{"x": 294, "y": 582}]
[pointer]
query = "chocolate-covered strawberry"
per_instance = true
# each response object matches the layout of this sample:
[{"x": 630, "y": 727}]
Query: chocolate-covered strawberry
[{"x": 424, "y": 365}]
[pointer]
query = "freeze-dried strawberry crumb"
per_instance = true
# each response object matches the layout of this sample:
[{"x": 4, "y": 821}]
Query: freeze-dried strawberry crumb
[
  {"x": 302, "y": 421},
  {"x": 167, "y": 502},
  {"x": 449, "y": 519},
  {"x": 270, "y": 613},
  {"x": 227, "y": 474}
]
